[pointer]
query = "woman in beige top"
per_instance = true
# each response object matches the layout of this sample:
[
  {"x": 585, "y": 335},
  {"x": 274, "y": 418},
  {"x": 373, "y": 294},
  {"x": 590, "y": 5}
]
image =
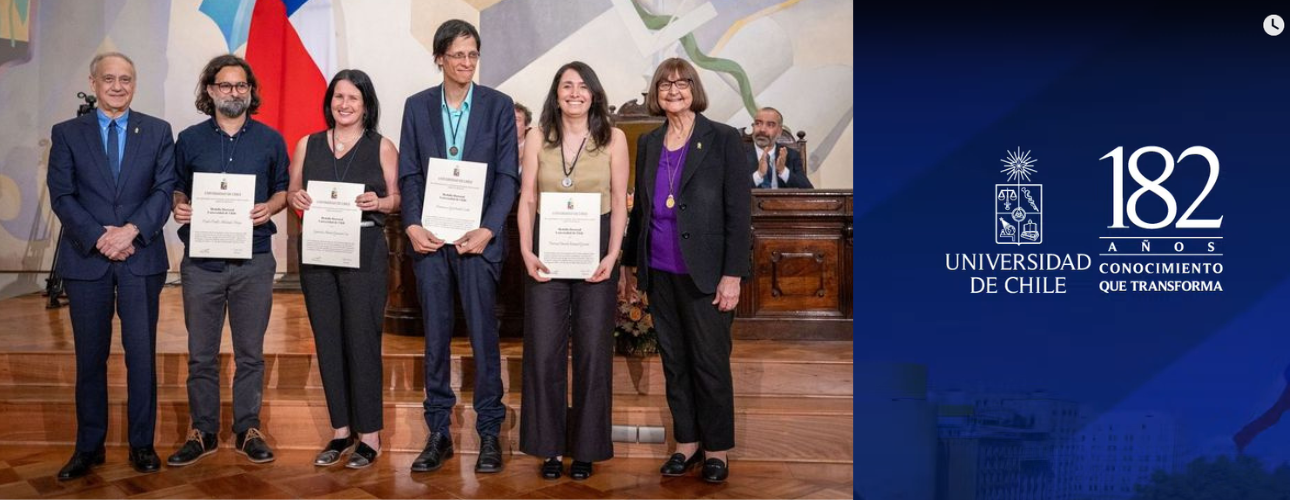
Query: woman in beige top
[{"x": 574, "y": 149}]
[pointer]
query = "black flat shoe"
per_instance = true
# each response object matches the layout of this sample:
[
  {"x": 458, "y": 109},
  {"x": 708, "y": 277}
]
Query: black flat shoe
[
  {"x": 144, "y": 459},
  {"x": 678, "y": 465},
  {"x": 81, "y": 463},
  {"x": 362, "y": 457},
  {"x": 580, "y": 470},
  {"x": 330, "y": 454},
  {"x": 715, "y": 471},
  {"x": 438, "y": 448},
  {"x": 552, "y": 468}
]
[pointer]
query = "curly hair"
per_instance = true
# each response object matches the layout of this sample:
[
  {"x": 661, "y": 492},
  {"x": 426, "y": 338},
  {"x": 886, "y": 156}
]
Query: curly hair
[{"x": 204, "y": 102}]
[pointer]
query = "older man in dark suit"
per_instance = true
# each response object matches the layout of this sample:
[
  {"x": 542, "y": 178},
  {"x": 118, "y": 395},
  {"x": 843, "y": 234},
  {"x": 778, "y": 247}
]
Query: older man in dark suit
[{"x": 111, "y": 174}]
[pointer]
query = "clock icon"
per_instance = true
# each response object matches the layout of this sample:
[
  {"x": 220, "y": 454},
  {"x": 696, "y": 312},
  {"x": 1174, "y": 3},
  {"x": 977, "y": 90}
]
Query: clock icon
[{"x": 1273, "y": 25}]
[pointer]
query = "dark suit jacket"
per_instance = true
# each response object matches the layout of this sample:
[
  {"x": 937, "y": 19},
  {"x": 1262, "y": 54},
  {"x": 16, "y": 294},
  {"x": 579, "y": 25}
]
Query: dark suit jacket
[
  {"x": 796, "y": 174},
  {"x": 712, "y": 205},
  {"x": 490, "y": 138},
  {"x": 86, "y": 199}
]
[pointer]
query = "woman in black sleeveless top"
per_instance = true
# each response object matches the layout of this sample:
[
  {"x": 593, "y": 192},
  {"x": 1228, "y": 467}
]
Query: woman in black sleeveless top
[{"x": 347, "y": 305}]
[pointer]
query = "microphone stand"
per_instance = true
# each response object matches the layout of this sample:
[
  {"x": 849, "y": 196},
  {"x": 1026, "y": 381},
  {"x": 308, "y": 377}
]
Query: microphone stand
[{"x": 54, "y": 283}]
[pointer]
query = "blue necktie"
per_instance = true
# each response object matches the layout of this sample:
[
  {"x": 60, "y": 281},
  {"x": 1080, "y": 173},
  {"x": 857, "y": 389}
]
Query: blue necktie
[
  {"x": 114, "y": 151},
  {"x": 768, "y": 182}
]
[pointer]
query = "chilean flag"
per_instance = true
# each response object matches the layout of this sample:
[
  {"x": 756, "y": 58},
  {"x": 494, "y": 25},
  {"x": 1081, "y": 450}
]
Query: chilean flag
[{"x": 291, "y": 46}]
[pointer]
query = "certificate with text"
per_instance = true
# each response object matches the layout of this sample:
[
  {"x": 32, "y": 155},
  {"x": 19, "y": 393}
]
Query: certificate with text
[
  {"x": 221, "y": 226},
  {"x": 569, "y": 235},
  {"x": 454, "y": 197},
  {"x": 331, "y": 229}
]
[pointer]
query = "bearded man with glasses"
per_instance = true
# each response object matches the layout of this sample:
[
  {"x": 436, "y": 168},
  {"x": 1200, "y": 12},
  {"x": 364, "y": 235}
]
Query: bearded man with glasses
[{"x": 229, "y": 142}]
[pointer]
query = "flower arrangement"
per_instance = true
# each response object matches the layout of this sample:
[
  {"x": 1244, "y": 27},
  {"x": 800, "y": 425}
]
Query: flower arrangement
[{"x": 634, "y": 333}]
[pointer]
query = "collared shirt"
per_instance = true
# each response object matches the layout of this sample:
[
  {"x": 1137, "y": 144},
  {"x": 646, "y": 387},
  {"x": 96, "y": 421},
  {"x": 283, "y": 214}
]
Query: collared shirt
[
  {"x": 256, "y": 149},
  {"x": 122, "y": 122},
  {"x": 455, "y": 119},
  {"x": 782, "y": 178}
]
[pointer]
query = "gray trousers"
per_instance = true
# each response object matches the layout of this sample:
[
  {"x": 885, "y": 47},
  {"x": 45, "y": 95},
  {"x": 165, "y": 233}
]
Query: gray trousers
[{"x": 243, "y": 291}]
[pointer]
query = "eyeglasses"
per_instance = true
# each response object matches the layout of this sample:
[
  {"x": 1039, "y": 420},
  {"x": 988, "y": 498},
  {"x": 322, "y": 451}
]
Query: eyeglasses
[
  {"x": 227, "y": 88},
  {"x": 474, "y": 56},
  {"x": 683, "y": 84}
]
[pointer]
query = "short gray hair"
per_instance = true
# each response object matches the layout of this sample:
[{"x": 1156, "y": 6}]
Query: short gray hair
[{"x": 94, "y": 64}]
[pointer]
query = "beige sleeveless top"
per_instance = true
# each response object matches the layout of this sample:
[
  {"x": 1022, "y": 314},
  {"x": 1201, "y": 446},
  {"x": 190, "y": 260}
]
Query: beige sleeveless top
[{"x": 590, "y": 175}]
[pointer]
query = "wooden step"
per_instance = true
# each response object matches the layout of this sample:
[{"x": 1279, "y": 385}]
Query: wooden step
[
  {"x": 793, "y": 429},
  {"x": 759, "y": 368}
]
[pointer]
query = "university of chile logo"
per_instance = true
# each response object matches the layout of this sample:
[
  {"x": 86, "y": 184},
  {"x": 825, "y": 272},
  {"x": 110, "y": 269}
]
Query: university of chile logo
[{"x": 1018, "y": 208}]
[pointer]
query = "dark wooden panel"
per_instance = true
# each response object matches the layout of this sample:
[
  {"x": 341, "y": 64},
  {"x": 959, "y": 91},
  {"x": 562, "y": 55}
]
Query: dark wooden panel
[
  {"x": 797, "y": 276},
  {"x": 801, "y": 280}
]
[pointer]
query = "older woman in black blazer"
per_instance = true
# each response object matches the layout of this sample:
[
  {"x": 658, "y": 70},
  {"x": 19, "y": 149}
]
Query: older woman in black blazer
[{"x": 688, "y": 238}]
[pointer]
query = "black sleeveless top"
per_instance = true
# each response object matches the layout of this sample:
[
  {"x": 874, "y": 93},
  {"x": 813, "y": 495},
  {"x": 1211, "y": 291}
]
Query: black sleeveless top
[{"x": 360, "y": 165}]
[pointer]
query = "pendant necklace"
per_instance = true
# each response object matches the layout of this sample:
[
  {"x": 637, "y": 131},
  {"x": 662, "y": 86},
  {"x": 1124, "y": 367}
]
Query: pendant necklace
[
  {"x": 335, "y": 169},
  {"x": 568, "y": 169},
  {"x": 452, "y": 150},
  {"x": 671, "y": 172}
]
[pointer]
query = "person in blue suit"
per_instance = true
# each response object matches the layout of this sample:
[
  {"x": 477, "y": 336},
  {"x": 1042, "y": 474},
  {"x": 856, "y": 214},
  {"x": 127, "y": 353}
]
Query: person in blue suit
[
  {"x": 111, "y": 174},
  {"x": 459, "y": 121}
]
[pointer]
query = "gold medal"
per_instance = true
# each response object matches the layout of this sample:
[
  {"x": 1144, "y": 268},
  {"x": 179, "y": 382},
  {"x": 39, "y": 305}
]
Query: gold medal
[{"x": 671, "y": 202}]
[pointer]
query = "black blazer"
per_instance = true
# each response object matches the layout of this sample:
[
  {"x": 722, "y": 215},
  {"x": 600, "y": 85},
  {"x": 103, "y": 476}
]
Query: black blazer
[
  {"x": 490, "y": 139},
  {"x": 712, "y": 205},
  {"x": 796, "y": 174}
]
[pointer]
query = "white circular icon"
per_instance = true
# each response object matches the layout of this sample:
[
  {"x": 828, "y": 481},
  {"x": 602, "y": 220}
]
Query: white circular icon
[{"x": 1273, "y": 25}]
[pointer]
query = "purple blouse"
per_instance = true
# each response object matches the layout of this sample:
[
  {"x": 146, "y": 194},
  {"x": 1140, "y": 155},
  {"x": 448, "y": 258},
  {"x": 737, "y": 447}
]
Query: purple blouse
[{"x": 664, "y": 237}]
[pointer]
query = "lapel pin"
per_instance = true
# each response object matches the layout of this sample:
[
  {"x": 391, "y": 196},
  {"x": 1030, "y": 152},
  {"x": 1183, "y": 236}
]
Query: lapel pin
[
  {"x": 700, "y": 145},
  {"x": 136, "y": 130}
]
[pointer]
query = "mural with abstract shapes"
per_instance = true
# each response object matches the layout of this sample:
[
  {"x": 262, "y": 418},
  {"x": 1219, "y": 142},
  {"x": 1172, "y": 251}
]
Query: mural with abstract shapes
[{"x": 792, "y": 55}]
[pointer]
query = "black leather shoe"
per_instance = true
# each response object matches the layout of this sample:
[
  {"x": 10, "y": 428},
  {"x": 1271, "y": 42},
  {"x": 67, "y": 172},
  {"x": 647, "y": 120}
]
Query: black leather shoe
[
  {"x": 144, "y": 459},
  {"x": 552, "y": 468},
  {"x": 198, "y": 445},
  {"x": 251, "y": 443},
  {"x": 678, "y": 465},
  {"x": 715, "y": 471},
  {"x": 438, "y": 448},
  {"x": 330, "y": 454},
  {"x": 580, "y": 470},
  {"x": 81, "y": 463},
  {"x": 362, "y": 457},
  {"x": 490, "y": 455}
]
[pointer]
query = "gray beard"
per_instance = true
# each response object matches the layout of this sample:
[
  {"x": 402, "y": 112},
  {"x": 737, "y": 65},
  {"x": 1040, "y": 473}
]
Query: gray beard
[
  {"x": 232, "y": 108},
  {"x": 761, "y": 141}
]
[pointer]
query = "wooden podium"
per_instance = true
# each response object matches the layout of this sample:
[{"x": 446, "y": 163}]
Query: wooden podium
[{"x": 801, "y": 280}]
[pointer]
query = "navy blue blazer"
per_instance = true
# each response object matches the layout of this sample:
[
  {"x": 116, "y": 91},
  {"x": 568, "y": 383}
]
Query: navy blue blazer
[
  {"x": 490, "y": 138},
  {"x": 86, "y": 199}
]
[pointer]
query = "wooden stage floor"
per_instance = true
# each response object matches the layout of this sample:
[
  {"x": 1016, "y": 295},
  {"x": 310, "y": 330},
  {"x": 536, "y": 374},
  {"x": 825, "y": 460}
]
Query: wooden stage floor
[{"x": 793, "y": 421}]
